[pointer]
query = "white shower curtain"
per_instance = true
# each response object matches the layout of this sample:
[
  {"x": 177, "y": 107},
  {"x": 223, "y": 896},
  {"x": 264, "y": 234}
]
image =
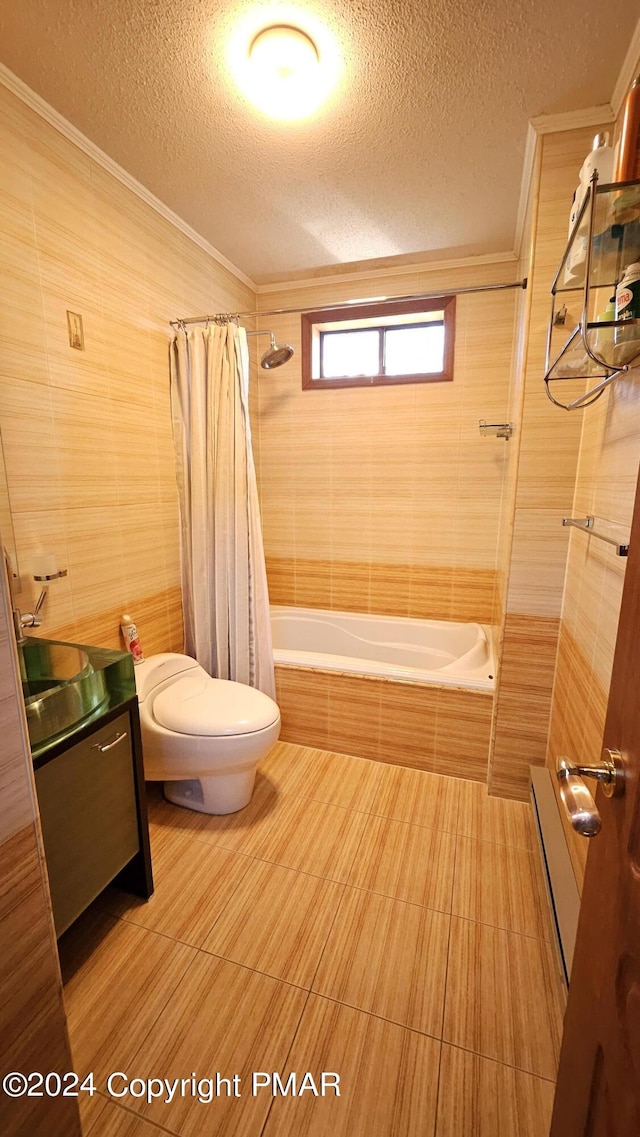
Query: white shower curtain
[{"x": 224, "y": 581}]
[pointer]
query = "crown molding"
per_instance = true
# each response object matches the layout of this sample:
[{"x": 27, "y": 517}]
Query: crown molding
[
  {"x": 628, "y": 72},
  {"x": 573, "y": 120},
  {"x": 528, "y": 167},
  {"x": 66, "y": 128},
  {"x": 384, "y": 273},
  {"x": 551, "y": 124},
  {"x": 540, "y": 125}
]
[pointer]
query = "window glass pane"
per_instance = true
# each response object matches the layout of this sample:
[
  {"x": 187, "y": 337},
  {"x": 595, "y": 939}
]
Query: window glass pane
[
  {"x": 349, "y": 354},
  {"x": 412, "y": 351}
]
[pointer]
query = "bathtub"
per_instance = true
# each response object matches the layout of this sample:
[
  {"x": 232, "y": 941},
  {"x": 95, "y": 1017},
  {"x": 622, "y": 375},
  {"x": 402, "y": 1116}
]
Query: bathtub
[
  {"x": 435, "y": 652},
  {"x": 416, "y": 693}
]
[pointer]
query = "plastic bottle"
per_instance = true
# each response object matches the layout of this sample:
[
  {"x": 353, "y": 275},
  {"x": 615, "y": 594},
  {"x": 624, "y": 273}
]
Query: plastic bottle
[
  {"x": 628, "y": 308},
  {"x": 604, "y": 339},
  {"x": 628, "y": 164},
  {"x": 600, "y": 158},
  {"x": 130, "y": 637},
  {"x": 628, "y": 294}
]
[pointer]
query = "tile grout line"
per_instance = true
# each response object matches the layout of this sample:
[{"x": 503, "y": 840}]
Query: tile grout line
[
  {"x": 165, "y": 1003},
  {"x": 210, "y": 955},
  {"x": 369, "y": 1014},
  {"x": 377, "y": 1015},
  {"x": 197, "y": 834},
  {"x": 507, "y": 931},
  {"x": 446, "y": 982},
  {"x": 544, "y": 944},
  {"x": 250, "y": 860},
  {"x": 286, "y": 1060},
  {"x": 324, "y": 946},
  {"x": 341, "y": 884},
  {"x": 540, "y": 901},
  {"x": 344, "y": 885},
  {"x": 289, "y": 982},
  {"x": 138, "y": 1116},
  {"x": 500, "y": 1062}
]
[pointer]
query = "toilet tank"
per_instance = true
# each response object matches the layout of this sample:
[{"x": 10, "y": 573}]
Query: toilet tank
[{"x": 158, "y": 668}]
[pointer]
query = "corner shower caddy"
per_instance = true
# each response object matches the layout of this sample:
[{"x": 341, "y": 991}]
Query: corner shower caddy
[{"x": 608, "y": 230}]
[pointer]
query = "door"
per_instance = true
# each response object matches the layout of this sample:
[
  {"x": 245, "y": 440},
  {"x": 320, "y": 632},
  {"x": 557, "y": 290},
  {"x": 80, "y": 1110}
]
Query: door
[{"x": 598, "y": 1089}]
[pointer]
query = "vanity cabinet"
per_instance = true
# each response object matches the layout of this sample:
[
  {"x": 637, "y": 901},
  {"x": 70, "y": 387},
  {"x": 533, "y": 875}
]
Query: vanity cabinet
[{"x": 91, "y": 795}]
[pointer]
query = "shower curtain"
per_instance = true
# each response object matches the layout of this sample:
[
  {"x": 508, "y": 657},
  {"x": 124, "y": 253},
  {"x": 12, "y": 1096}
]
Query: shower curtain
[{"x": 224, "y": 581}]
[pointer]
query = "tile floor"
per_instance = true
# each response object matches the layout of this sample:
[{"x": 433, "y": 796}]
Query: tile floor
[{"x": 370, "y": 920}]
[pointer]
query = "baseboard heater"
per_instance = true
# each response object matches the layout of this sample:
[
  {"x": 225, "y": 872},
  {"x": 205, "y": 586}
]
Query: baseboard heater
[{"x": 556, "y": 862}]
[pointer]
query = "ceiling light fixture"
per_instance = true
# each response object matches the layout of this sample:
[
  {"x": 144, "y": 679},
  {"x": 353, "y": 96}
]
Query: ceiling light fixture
[{"x": 285, "y": 75}]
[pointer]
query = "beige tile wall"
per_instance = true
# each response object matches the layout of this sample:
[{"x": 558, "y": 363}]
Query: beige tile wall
[
  {"x": 550, "y": 438},
  {"x": 605, "y": 476},
  {"x": 87, "y": 435},
  {"x": 549, "y": 450},
  {"x": 33, "y": 1029},
  {"x": 606, "y": 487},
  {"x": 387, "y": 499},
  {"x": 423, "y": 592},
  {"x": 564, "y": 588},
  {"x": 523, "y": 701}
]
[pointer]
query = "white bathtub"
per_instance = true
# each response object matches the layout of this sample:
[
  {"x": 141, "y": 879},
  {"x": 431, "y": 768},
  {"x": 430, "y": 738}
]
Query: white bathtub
[{"x": 422, "y": 651}]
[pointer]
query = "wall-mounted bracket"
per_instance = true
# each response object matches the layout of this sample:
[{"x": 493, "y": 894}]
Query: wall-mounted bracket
[{"x": 498, "y": 429}]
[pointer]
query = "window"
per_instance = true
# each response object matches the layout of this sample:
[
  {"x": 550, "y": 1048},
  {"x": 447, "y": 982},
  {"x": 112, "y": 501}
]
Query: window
[{"x": 366, "y": 345}]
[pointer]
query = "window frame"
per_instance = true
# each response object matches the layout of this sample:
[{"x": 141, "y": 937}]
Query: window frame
[{"x": 444, "y": 304}]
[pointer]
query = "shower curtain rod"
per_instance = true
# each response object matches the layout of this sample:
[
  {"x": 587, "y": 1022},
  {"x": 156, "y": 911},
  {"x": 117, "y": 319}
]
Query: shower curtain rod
[{"x": 225, "y": 317}]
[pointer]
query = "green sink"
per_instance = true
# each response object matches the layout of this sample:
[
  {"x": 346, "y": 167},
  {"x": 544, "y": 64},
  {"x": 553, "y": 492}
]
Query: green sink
[{"x": 61, "y": 688}]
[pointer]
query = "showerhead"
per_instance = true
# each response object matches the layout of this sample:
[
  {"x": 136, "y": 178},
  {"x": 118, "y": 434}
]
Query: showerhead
[{"x": 276, "y": 354}]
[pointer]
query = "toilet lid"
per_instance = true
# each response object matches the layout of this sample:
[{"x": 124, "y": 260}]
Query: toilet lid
[{"x": 212, "y": 707}]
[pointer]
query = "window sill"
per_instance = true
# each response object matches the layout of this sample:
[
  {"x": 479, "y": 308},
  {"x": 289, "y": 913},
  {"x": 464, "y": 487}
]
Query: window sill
[{"x": 375, "y": 380}]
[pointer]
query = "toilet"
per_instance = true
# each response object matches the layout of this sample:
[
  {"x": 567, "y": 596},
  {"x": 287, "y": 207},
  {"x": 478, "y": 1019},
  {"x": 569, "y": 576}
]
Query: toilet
[{"x": 202, "y": 737}]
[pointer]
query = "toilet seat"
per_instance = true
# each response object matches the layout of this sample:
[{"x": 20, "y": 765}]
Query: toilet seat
[{"x": 206, "y": 707}]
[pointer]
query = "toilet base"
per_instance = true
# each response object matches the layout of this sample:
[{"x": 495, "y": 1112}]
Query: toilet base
[{"x": 219, "y": 794}]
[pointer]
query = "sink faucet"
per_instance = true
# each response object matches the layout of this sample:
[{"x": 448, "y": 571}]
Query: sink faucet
[
  {"x": 22, "y": 620},
  {"x": 27, "y": 619}
]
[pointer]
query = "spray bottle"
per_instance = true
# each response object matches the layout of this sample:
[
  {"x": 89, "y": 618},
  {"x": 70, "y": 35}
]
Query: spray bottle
[{"x": 130, "y": 637}]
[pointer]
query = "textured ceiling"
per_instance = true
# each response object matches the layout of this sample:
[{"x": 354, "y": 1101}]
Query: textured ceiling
[{"x": 419, "y": 151}]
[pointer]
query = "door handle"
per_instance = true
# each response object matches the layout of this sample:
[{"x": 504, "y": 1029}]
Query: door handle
[
  {"x": 104, "y": 746},
  {"x": 577, "y": 799}
]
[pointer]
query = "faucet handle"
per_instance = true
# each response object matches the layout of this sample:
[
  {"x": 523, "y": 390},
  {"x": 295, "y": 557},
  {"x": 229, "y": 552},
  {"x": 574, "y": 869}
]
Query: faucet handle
[
  {"x": 39, "y": 602},
  {"x": 30, "y": 619}
]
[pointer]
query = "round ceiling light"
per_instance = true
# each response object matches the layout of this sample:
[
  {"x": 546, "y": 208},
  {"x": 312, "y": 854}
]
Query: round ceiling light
[{"x": 284, "y": 76}]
